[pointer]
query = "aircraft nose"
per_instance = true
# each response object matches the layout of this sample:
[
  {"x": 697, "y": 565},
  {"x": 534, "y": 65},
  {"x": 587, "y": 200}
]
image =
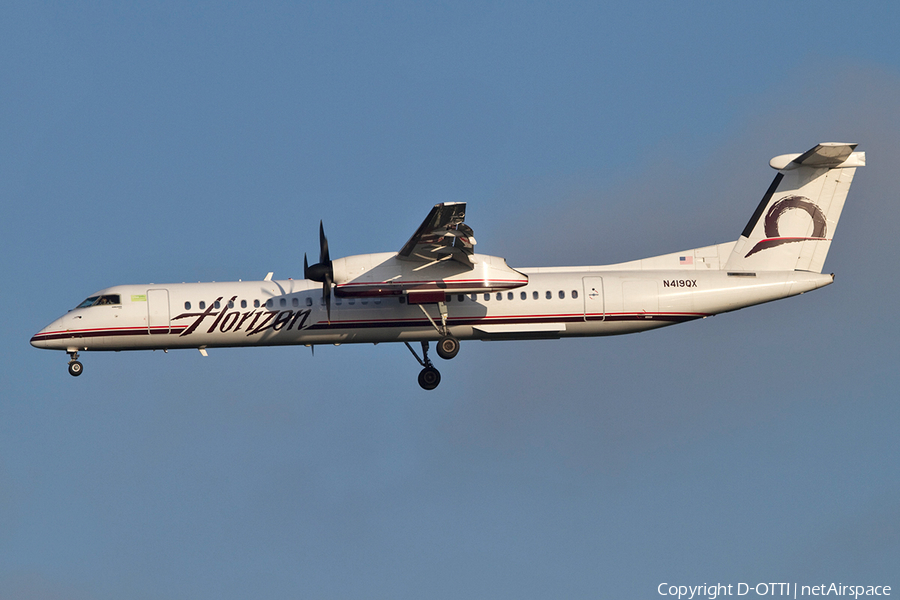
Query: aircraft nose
[
  {"x": 40, "y": 339},
  {"x": 46, "y": 336}
]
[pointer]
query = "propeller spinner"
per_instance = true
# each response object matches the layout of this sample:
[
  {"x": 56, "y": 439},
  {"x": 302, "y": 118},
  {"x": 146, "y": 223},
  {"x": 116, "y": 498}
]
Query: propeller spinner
[{"x": 323, "y": 271}]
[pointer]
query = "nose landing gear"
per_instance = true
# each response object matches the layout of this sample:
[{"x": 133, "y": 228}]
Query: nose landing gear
[{"x": 75, "y": 367}]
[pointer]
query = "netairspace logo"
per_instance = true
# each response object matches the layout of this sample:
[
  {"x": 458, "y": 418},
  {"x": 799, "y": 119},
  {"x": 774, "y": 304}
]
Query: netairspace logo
[{"x": 794, "y": 590}]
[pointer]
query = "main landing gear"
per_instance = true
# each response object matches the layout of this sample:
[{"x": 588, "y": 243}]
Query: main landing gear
[
  {"x": 447, "y": 348},
  {"x": 429, "y": 377},
  {"x": 75, "y": 367}
]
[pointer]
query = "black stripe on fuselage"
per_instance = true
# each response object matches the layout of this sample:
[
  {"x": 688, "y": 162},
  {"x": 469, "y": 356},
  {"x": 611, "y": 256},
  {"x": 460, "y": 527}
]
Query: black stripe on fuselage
[
  {"x": 338, "y": 326},
  {"x": 69, "y": 335}
]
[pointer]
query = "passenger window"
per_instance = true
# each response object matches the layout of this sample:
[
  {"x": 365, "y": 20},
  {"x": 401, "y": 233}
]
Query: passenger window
[
  {"x": 562, "y": 295},
  {"x": 283, "y": 302},
  {"x": 308, "y": 301},
  {"x": 202, "y": 305},
  {"x": 509, "y": 295},
  {"x": 243, "y": 304},
  {"x": 499, "y": 295},
  {"x": 534, "y": 294},
  {"x": 377, "y": 300},
  {"x": 487, "y": 296},
  {"x": 448, "y": 297},
  {"x": 256, "y": 304},
  {"x": 270, "y": 303},
  {"x": 575, "y": 294},
  {"x": 231, "y": 304},
  {"x": 461, "y": 297},
  {"x": 217, "y": 304},
  {"x": 187, "y": 306},
  {"x": 338, "y": 301},
  {"x": 549, "y": 295},
  {"x": 473, "y": 297},
  {"x": 295, "y": 301},
  {"x": 523, "y": 296}
]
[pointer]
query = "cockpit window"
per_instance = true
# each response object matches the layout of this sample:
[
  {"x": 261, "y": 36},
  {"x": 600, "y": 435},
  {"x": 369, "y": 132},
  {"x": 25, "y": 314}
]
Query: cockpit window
[{"x": 106, "y": 300}]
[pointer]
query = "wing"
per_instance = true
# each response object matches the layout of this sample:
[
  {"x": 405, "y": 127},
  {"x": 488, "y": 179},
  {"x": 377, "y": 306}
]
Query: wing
[{"x": 442, "y": 236}]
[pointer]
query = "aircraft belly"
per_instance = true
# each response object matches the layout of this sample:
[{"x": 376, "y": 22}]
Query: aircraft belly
[{"x": 612, "y": 326}]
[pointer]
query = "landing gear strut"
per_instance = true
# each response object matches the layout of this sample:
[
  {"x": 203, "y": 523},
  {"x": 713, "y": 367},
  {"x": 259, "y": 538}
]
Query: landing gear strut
[
  {"x": 75, "y": 367},
  {"x": 447, "y": 346},
  {"x": 429, "y": 377}
]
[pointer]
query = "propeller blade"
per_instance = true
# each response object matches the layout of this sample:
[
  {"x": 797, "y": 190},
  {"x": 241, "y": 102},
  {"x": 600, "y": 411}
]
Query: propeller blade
[
  {"x": 322, "y": 270},
  {"x": 324, "y": 257}
]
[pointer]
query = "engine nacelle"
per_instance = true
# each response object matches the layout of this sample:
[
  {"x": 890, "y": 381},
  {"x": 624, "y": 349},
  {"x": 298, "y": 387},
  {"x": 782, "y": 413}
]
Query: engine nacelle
[{"x": 385, "y": 274}]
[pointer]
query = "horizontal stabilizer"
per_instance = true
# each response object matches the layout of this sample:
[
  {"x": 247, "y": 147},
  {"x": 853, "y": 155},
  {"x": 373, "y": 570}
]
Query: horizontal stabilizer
[{"x": 828, "y": 155}]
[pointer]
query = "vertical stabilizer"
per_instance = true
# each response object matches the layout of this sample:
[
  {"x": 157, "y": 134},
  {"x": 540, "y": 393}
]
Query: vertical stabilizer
[{"x": 792, "y": 228}]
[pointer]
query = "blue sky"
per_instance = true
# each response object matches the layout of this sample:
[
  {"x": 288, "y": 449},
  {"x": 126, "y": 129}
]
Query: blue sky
[{"x": 170, "y": 142}]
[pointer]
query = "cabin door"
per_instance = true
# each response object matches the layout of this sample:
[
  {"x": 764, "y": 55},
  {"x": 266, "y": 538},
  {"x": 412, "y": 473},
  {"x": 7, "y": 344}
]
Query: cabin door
[
  {"x": 158, "y": 311},
  {"x": 593, "y": 299}
]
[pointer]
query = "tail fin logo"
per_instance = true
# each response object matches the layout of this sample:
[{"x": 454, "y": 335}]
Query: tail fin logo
[{"x": 773, "y": 235}]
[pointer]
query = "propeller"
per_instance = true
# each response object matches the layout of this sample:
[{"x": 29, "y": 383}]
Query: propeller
[{"x": 322, "y": 271}]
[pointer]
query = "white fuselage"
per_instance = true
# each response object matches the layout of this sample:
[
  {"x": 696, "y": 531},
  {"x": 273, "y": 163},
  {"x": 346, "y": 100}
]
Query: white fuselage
[{"x": 555, "y": 302}]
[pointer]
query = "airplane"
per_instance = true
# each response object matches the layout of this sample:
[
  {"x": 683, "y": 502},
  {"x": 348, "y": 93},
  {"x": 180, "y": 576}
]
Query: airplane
[{"x": 437, "y": 289}]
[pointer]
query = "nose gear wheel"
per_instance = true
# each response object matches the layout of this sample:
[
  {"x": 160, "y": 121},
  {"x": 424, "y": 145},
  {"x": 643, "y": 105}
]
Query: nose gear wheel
[{"x": 75, "y": 367}]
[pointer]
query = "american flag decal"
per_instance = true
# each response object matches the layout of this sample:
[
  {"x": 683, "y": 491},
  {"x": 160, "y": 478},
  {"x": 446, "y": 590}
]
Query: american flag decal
[{"x": 685, "y": 260}]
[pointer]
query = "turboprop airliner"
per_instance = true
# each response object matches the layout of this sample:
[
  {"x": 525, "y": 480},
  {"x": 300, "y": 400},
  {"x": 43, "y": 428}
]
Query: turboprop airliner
[{"x": 436, "y": 288}]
